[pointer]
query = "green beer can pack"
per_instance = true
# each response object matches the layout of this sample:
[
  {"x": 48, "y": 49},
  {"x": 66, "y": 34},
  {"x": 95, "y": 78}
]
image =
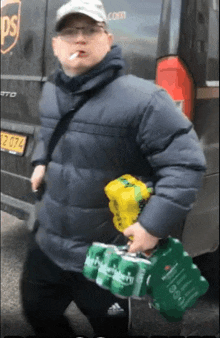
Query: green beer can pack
[
  {"x": 116, "y": 270},
  {"x": 168, "y": 275},
  {"x": 175, "y": 282}
]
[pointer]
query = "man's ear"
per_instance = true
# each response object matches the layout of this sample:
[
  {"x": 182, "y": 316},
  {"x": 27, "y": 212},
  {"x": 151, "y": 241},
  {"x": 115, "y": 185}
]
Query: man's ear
[
  {"x": 55, "y": 47},
  {"x": 110, "y": 39}
]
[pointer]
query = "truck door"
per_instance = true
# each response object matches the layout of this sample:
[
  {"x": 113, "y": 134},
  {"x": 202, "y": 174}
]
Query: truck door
[
  {"x": 188, "y": 68},
  {"x": 201, "y": 231},
  {"x": 22, "y": 46}
]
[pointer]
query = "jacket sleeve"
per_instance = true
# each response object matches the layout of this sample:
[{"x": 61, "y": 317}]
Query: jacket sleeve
[
  {"x": 40, "y": 154},
  {"x": 169, "y": 143}
]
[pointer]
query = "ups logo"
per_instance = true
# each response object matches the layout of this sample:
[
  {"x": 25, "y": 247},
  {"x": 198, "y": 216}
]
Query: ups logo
[{"x": 10, "y": 24}]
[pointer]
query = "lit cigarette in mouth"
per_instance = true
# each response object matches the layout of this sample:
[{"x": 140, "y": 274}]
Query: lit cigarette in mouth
[{"x": 73, "y": 56}]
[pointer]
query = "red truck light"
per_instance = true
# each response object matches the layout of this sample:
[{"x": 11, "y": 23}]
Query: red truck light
[{"x": 172, "y": 74}]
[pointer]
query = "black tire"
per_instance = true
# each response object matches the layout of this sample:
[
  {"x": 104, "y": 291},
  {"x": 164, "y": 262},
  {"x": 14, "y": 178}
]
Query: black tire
[{"x": 209, "y": 267}]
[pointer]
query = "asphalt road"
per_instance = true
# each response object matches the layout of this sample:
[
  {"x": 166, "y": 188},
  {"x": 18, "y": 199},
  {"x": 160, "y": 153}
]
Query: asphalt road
[{"x": 201, "y": 320}]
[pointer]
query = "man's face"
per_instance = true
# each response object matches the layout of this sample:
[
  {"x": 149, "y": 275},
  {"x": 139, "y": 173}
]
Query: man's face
[{"x": 91, "y": 42}]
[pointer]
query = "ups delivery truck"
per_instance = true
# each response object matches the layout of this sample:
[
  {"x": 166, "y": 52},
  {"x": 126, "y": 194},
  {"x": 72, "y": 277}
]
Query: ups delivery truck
[{"x": 173, "y": 43}]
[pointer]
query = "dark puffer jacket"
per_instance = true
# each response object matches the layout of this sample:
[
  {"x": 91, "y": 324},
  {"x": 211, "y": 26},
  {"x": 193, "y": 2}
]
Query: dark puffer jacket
[{"x": 128, "y": 126}]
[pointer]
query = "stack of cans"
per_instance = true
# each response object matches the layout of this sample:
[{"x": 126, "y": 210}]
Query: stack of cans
[
  {"x": 113, "y": 268},
  {"x": 168, "y": 275},
  {"x": 127, "y": 196},
  {"x": 175, "y": 282}
]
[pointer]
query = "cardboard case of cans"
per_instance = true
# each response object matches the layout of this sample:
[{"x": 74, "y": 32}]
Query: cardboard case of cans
[
  {"x": 127, "y": 196},
  {"x": 168, "y": 275}
]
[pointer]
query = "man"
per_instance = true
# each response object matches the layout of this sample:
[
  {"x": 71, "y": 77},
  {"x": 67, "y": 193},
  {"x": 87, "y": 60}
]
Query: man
[{"x": 123, "y": 125}]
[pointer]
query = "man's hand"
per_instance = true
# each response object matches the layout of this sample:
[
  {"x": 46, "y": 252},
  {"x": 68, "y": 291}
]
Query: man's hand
[
  {"x": 37, "y": 176},
  {"x": 142, "y": 240}
]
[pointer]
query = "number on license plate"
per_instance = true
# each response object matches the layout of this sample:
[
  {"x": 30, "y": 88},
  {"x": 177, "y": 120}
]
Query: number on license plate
[{"x": 13, "y": 143}]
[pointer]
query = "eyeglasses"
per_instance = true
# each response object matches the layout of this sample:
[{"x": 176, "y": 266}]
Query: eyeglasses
[{"x": 88, "y": 31}]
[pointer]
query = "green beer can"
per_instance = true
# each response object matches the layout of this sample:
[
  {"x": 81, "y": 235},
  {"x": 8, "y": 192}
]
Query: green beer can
[
  {"x": 93, "y": 260},
  {"x": 108, "y": 267},
  {"x": 124, "y": 279},
  {"x": 144, "y": 271}
]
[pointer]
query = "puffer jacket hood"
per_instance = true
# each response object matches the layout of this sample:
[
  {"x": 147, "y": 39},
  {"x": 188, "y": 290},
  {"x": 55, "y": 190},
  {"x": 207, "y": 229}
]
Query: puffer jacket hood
[{"x": 127, "y": 125}]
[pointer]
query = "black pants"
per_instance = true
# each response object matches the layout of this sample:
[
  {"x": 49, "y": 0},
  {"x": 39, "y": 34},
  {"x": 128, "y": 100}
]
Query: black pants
[{"x": 47, "y": 290}]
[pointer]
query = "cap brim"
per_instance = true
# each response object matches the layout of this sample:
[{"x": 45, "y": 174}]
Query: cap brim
[{"x": 64, "y": 17}]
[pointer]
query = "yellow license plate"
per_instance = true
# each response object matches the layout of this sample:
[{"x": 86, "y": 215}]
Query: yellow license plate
[{"x": 13, "y": 143}]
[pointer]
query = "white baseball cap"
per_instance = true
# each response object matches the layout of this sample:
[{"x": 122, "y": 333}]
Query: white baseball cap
[{"x": 92, "y": 8}]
